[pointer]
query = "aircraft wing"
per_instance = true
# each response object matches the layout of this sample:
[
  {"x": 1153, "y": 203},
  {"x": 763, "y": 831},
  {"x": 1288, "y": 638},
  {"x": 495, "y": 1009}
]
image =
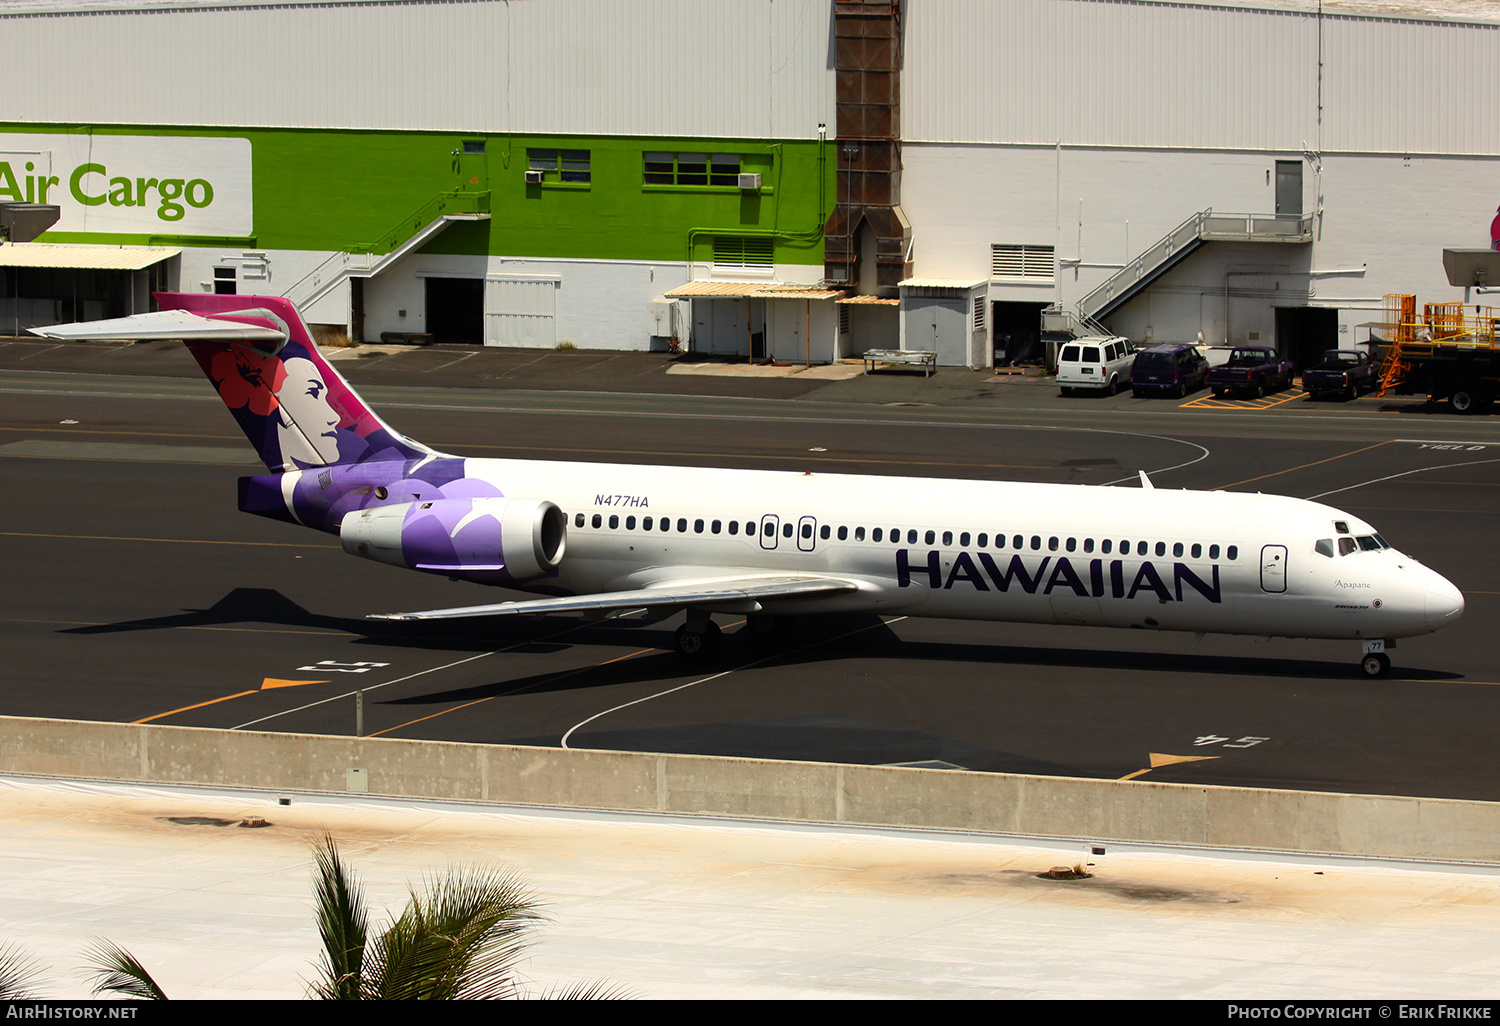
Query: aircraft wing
[
  {"x": 163, "y": 324},
  {"x": 666, "y": 593}
]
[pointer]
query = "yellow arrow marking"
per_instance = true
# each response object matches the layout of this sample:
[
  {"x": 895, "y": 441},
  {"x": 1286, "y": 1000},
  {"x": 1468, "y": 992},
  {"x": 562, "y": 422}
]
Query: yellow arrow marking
[
  {"x": 1158, "y": 761},
  {"x": 268, "y": 682}
]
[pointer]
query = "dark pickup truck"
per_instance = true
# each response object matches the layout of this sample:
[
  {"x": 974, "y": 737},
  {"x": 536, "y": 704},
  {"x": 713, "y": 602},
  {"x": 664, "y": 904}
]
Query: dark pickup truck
[
  {"x": 1252, "y": 369},
  {"x": 1345, "y": 372}
]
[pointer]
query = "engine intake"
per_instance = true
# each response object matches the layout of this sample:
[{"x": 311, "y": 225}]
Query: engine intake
[{"x": 518, "y": 538}]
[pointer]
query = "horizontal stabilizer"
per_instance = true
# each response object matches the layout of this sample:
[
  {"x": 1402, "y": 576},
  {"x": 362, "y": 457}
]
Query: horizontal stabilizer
[
  {"x": 697, "y": 593},
  {"x": 163, "y": 324}
]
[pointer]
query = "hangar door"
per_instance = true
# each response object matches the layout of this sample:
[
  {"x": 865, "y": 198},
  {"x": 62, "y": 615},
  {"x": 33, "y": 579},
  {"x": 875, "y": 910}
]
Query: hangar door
[
  {"x": 521, "y": 312},
  {"x": 938, "y": 324}
]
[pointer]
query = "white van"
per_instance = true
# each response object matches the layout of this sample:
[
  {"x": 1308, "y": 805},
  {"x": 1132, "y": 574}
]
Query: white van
[{"x": 1095, "y": 364}]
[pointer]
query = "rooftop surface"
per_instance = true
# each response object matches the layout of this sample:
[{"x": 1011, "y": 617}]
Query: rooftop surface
[{"x": 676, "y": 908}]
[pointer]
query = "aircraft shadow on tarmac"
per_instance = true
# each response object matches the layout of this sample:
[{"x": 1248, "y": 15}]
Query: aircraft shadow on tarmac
[{"x": 813, "y": 640}]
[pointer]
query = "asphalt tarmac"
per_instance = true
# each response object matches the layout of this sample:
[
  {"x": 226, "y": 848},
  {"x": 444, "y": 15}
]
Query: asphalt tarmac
[{"x": 136, "y": 593}]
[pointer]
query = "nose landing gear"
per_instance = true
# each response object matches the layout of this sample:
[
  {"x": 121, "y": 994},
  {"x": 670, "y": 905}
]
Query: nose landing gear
[{"x": 1375, "y": 662}]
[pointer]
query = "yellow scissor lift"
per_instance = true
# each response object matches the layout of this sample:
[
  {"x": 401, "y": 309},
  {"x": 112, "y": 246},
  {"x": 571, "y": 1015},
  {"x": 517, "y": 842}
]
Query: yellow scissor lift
[{"x": 1449, "y": 353}]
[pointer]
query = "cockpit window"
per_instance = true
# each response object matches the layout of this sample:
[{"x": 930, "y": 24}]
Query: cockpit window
[
  {"x": 1369, "y": 543},
  {"x": 1324, "y": 547},
  {"x": 1347, "y": 545},
  {"x": 1341, "y": 526}
]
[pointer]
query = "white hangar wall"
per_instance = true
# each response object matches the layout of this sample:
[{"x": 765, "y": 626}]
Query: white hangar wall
[
  {"x": 1144, "y": 74},
  {"x": 559, "y": 67},
  {"x": 1095, "y": 127}
]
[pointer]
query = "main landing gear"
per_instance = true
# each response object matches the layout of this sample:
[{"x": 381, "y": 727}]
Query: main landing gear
[
  {"x": 699, "y": 637},
  {"x": 1375, "y": 662}
]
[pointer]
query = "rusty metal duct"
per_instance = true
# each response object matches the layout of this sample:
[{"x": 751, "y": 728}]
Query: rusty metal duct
[{"x": 867, "y": 59}]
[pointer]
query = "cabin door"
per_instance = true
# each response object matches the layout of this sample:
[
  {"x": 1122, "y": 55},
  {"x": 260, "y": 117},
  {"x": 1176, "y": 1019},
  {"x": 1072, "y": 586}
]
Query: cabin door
[{"x": 1273, "y": 569}]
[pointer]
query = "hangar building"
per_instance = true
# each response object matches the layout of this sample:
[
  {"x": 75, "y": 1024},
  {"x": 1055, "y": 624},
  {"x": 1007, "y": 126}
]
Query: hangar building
[{"x": 801, "y": 179}]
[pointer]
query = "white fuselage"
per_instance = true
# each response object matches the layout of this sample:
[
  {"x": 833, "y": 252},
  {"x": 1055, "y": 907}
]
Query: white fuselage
[{"x": 1035, "y": 553}]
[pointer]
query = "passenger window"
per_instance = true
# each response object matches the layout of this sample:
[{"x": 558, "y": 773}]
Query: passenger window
[
  {"x": 806, "y": 531},
  {"x": 1213, "y": 552},
  {"x": 734, "y": 526},
  {"x": 911, "y": 537},
  {"x": 716, "y": 526},
  {"x": 984, "y": 539},
  {"x": 697, "y": 527},
  {"x": 963, "y": 540},
  {"x": 1324, "y": 547},
  {"x": 1088, "y": 545},
  {"x": 947, "y": 537},
  {"x": 1161, "y": 548},
  {"x": 930, "y": 537},
  {"x": 646, "y": 524},
  {"x": 825, "y": 532},
  {"x": 1052, "y": 544},
  {"x": 859, "y": 533},
  {"x": 786, "y": 529},
  {"x": 843, "y": 534},
  {"x": 630, "y": 523},
  {"x": 578, "y": 520},
  {"x": 1197, "y": 550},
  {"x": 1233, "y": 552},
  {"x": 598, "y": 520},
  {"x": 1016, "y": 541},
  {"x": 682, "y": 525},
  {"x": 614, "y": 522},
  {"x": 1106, "y": 546},
  {"x": 1036, "y": 541},
  {"x": 1071, "y": 544},
  {"x": 1142, "y": 548},
  {"x": 1177, "y": 548},
  {"x": 875, "y": 535}
]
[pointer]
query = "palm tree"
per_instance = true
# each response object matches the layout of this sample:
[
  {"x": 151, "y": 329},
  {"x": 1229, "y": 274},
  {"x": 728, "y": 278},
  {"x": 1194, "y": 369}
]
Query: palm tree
[
  {"x": 19, "y": 973},
  {"x": 460, "y": 939}
]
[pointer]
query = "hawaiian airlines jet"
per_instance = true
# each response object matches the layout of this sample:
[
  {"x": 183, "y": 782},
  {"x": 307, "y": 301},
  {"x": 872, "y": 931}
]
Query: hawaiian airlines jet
[{"x": 606, "y": 539}]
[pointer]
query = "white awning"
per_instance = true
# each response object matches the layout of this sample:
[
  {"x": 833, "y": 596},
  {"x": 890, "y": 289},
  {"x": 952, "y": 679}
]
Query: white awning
[{"x": 83, "y": 258}]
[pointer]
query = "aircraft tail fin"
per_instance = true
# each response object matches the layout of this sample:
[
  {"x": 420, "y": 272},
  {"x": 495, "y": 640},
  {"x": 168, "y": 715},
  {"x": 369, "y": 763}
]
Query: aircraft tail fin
[{"x": 294, "y": 407}]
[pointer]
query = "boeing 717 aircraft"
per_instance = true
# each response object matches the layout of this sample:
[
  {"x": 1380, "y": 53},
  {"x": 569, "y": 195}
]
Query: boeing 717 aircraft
[{"x": 606, "y": 539}]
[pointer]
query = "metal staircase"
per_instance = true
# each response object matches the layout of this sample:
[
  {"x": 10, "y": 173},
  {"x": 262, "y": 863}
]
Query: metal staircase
[
  {"x": 410, "y": 233},
  {"x": 1204, "y": 226}
]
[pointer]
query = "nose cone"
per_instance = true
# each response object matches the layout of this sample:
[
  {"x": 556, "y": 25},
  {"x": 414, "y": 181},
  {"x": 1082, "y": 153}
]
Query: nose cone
[{"x": 1445, "y": 603}]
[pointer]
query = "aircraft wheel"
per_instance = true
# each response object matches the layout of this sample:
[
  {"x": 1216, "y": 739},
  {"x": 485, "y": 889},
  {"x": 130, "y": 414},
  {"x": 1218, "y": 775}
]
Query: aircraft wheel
[
  {"x": 697, "y": 644},
  {"x": 1376, "y": 664}
]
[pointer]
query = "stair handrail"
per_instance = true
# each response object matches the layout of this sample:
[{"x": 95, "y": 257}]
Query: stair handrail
[
  {"x": 1189, "y": 231},
  {"x": 340, "y": 263}
]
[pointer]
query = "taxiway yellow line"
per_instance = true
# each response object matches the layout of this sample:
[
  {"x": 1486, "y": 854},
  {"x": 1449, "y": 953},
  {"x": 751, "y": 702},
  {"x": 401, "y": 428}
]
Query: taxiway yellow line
[
  {"x": 200, "y": 705},
  {"x": 1304, "y": 466}
]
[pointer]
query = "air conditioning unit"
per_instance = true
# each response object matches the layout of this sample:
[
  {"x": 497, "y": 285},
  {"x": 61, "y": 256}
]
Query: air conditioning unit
[
  {"x": 534, "y": 177},
  {"x": 750, "y": 180}
]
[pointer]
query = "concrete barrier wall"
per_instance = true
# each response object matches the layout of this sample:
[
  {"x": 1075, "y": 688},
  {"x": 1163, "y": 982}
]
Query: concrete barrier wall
[{"x": 1065, "y": 807}]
